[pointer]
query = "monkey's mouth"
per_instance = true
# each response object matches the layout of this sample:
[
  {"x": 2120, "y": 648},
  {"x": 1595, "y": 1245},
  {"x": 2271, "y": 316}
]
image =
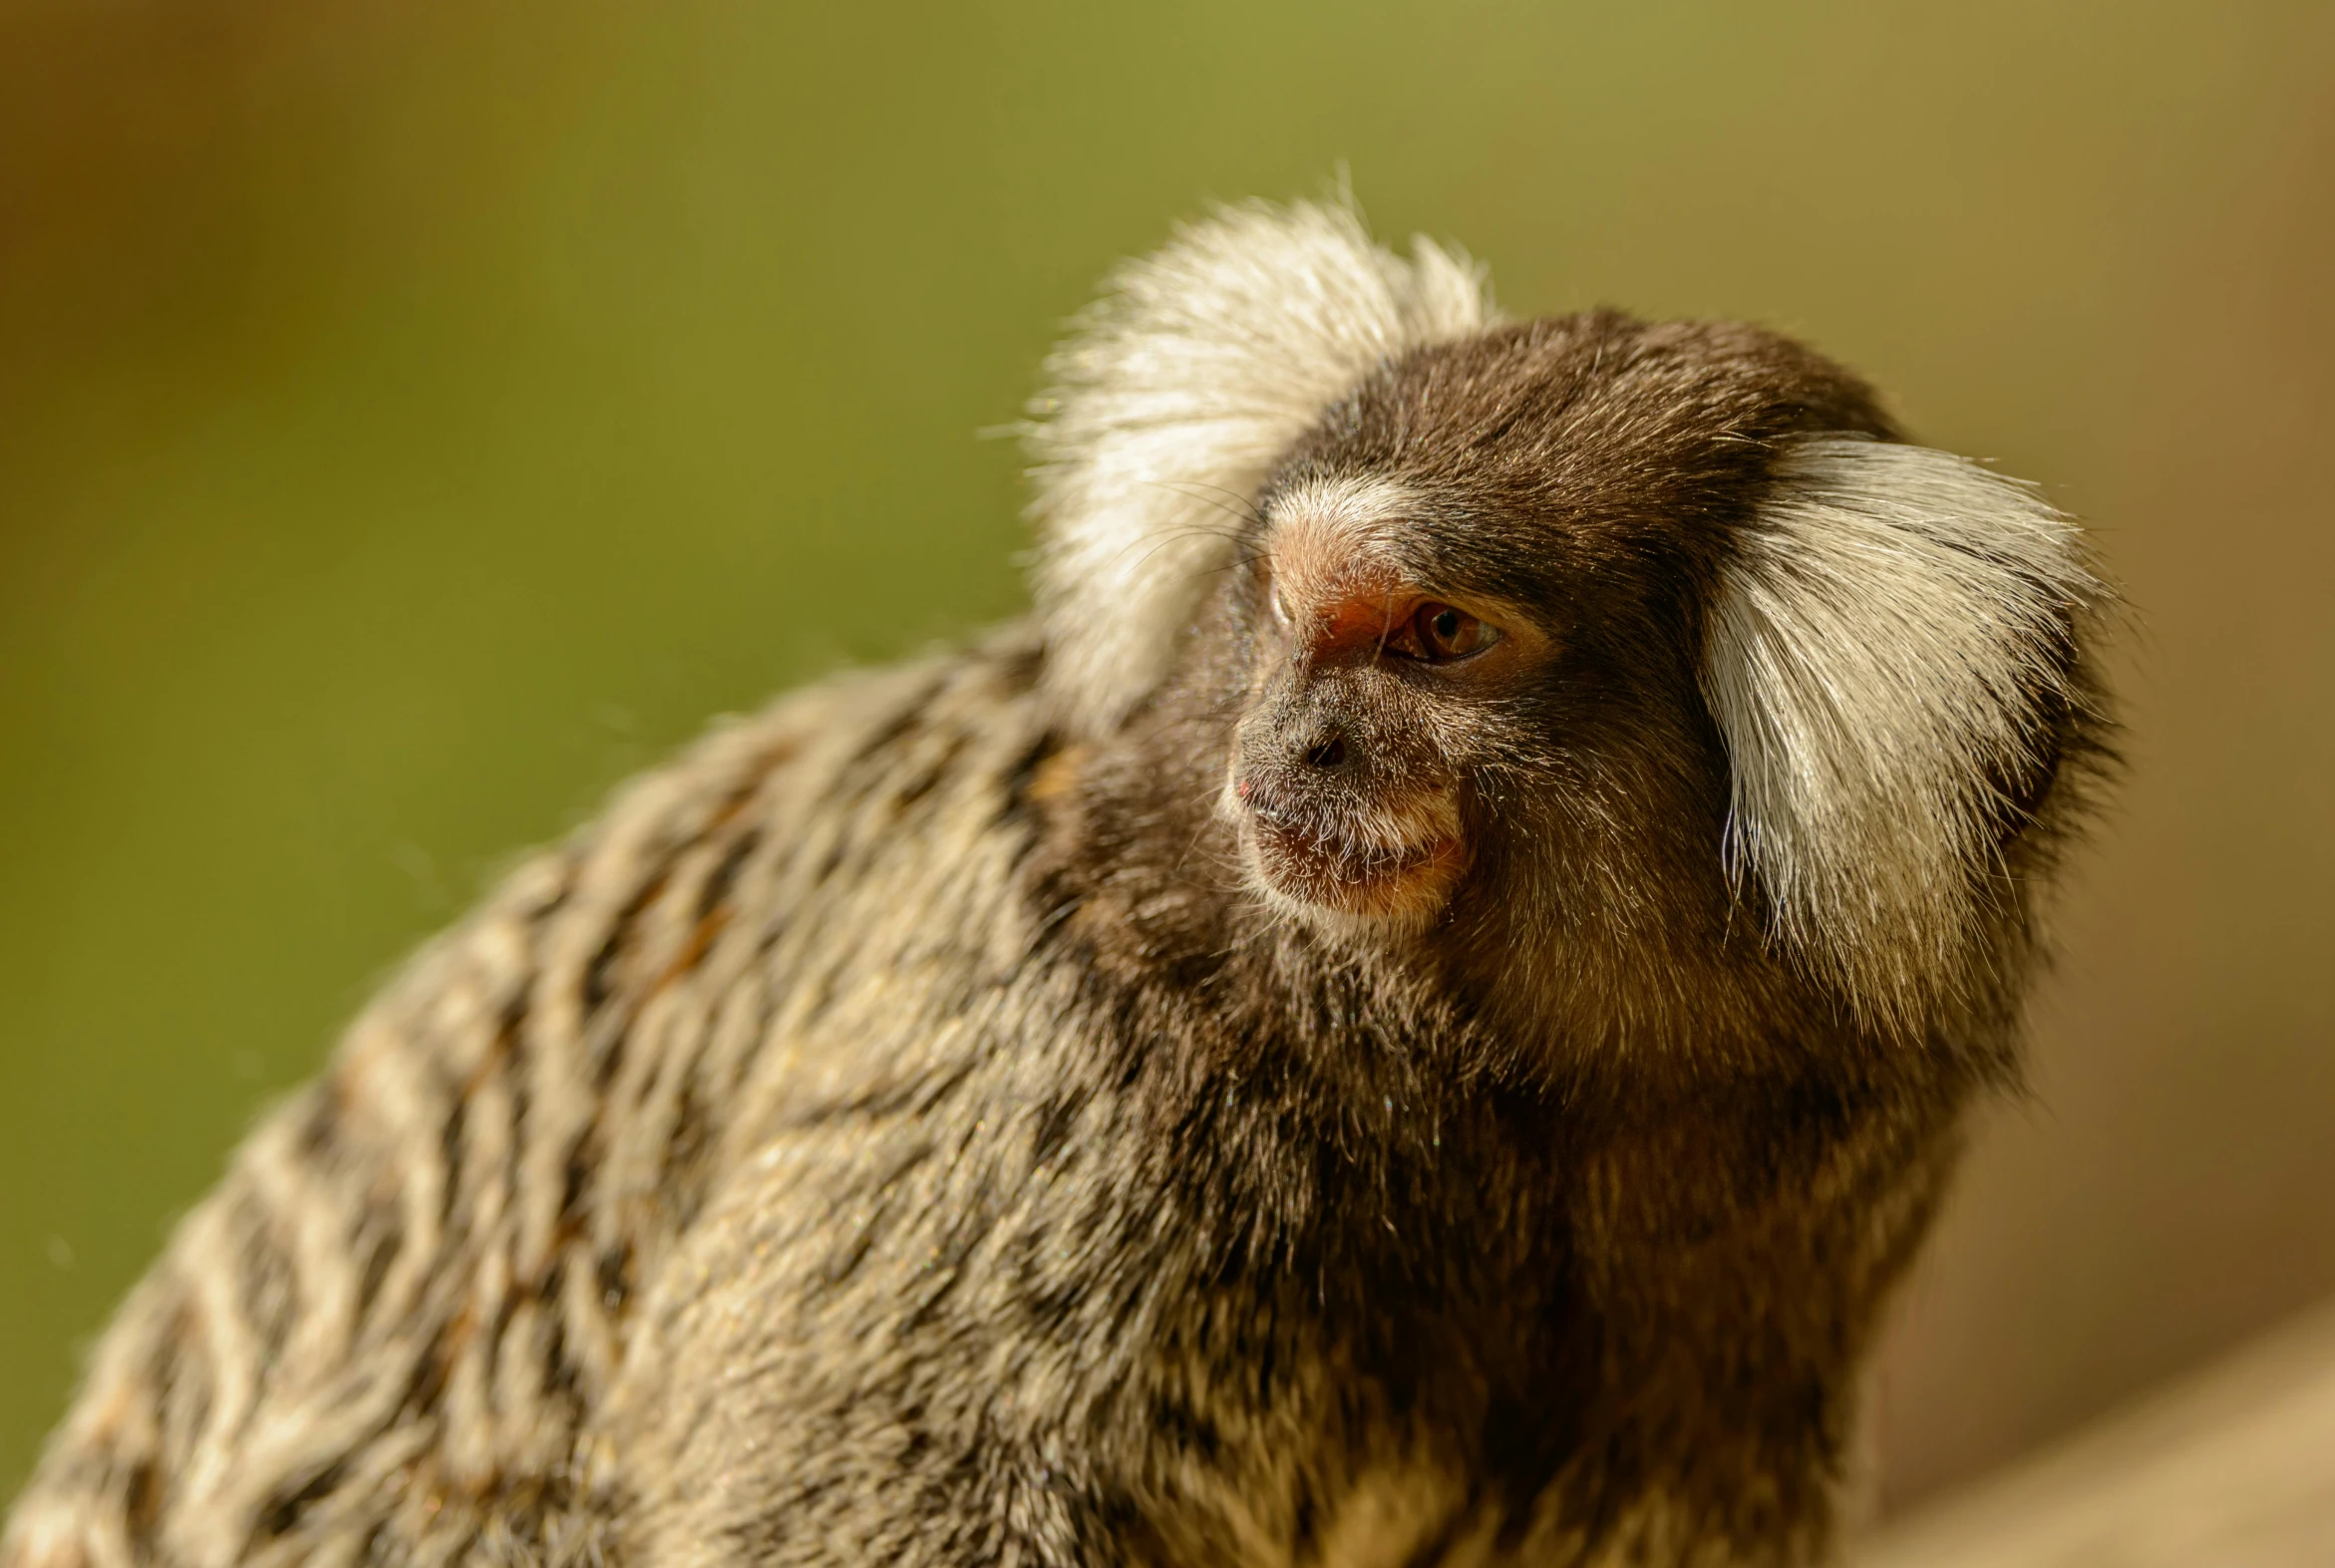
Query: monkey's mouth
[{"x": 1331, "y": 865}]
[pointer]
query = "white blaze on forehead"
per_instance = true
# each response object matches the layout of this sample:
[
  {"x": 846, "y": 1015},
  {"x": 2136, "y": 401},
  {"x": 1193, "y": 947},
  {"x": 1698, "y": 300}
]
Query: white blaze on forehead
[{"x": 1327, "y": 536}]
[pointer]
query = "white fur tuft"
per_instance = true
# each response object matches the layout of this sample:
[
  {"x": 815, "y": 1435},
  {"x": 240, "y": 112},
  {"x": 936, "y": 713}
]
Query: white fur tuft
[
  {"x": 1889, "y": 640},
  {"x": 1172, "y": 397}
]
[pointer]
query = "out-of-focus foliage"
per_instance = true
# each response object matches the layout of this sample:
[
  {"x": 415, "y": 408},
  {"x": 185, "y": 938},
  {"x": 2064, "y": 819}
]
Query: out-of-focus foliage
[{"x": 414, "y": 416}]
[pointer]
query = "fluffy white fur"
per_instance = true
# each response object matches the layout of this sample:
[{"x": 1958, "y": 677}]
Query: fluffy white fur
[
  {"x": 1178, "y": 389},
  {"x": 1882, "y": 648}
]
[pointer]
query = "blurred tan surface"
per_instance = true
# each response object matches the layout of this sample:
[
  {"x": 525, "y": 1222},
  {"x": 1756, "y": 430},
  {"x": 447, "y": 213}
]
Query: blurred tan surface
[
  {"x": 415, "y": 415},
  {"x": 2234, "y": 1467}
]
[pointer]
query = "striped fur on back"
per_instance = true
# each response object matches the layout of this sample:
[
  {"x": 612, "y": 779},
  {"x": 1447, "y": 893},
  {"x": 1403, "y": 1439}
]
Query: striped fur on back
[{"x": 383, "y": 1337}]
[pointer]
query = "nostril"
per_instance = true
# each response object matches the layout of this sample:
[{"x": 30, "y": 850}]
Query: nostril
[{"x": 1330, "y": 754}]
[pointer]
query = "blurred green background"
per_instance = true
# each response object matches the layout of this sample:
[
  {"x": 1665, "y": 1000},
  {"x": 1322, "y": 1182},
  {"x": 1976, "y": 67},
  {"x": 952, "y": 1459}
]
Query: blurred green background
[{"x": 415, "y": 416}]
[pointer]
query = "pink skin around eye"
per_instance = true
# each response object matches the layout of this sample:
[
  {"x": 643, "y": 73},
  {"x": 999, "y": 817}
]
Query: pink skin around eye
[
  {"x": 1357, "y": 626},
  {"x": 1371, "y": 623}
]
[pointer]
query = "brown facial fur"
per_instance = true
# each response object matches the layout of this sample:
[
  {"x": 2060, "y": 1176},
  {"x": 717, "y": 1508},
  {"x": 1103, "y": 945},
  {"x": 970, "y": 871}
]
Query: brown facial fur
[
  {"x": 1580, "y": 479},
  {"x": 1343, "y": 781}
]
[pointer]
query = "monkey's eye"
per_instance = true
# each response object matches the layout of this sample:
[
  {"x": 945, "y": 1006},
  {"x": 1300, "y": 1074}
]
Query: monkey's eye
[{"x": 1444, "y": 634}]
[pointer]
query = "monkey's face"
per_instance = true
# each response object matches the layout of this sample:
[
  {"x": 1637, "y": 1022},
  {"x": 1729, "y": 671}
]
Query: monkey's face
[
  {"x": 1626, "y": 671},
  {"x": 1469, "y": 696},
  {"x": 1368, "y": 698}
]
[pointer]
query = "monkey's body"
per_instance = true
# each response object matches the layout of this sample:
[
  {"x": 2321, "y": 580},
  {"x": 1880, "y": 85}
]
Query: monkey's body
[{"x": 902, "y": 1133}]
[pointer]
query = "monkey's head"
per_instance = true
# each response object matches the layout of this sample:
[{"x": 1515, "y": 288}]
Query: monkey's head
[{"x": 1635, "y": 654}]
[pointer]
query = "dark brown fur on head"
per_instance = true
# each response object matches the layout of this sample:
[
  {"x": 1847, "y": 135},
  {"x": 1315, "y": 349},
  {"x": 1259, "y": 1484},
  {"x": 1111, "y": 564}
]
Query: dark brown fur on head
[
  {"x": 1578, "y": 482},
  {"x": 1541, "y": 823}
]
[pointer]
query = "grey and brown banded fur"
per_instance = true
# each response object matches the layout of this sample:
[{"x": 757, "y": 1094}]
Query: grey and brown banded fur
[{"x": 921, "y": 1125}]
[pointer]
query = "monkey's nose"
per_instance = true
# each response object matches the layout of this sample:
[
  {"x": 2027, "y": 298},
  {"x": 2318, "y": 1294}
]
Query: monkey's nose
[{"x": 1329, "y": 754}]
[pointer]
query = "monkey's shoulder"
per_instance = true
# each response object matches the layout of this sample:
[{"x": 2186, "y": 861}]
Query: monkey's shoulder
[
  {"x": 475, "y": 1201},
  {"x": 780, "y": 895}
]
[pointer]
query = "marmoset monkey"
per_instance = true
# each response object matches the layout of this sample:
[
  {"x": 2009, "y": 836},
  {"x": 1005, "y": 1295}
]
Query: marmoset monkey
[{"x": 1410, "y": 1016}]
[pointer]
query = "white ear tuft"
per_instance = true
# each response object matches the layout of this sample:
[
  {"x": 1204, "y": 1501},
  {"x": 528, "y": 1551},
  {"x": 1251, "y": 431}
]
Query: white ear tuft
[
  {"x": 1890, "y": 643},
  {"x": 1172, "y": 398}
]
